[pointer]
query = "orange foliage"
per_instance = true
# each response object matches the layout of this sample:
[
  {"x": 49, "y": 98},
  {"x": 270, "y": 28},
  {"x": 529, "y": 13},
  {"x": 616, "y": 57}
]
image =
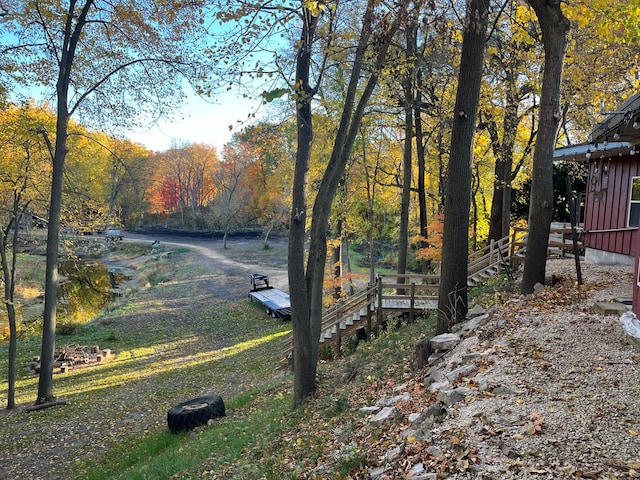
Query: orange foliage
[{"x": 433, "y": 252}]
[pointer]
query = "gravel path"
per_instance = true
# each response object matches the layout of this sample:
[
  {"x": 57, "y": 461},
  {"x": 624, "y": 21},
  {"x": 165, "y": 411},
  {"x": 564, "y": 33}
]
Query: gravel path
[{"x": 552, "y": 392}]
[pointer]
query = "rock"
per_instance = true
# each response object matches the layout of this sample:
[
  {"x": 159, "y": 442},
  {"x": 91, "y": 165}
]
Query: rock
[
  {"x": 451, "y": 397},
  {"x": 413, "y": 417},
  {"x": 385, "y": 402},
  {"x": 538, "y": 288},
  {"x": 439, "y": 386},
  {"x": 502, "y": 390},
  {"x": 483, "y": 386},
  {"x": 376, "y": 473},
  {"x": 418, "y": 472},
  {"x": 610, "y": 308},
  {"x": 476, "y": 311},
  {"x": 444, "y": 341},
  {"x": 433, "y": 375},
  {"x": 433, "y": 411},
  {"x": 393, "y": 454},
  {"x": 384, "y": 415},
  {"x": 435, "y": 451},
  {"x": 434, "y": 358},
  {"x": 464, "y": 371},
  {"x": 470, "y": 325},
  {"x": 370, "y": 409},
  {"x": 470, "y": 357}
]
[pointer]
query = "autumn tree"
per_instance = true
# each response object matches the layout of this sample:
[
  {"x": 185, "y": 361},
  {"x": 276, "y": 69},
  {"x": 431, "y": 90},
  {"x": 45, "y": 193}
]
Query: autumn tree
[
  {"x": 23, "y": 168},
  {"x": 102, "y": 61},
  {"x": 452, "y": 298},
  {"x": 554, "y": 27},
  {"x": 269, "y": 150}
]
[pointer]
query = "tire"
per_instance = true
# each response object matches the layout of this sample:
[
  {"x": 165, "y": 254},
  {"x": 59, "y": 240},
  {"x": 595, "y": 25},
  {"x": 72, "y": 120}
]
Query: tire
[{"x": 193, "y": 413}]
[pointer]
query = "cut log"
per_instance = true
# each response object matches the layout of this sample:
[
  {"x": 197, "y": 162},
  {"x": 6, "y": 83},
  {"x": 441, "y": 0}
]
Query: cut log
[
  {"x": 421, "y": 352},
  {"x": 42, "y": 406}
]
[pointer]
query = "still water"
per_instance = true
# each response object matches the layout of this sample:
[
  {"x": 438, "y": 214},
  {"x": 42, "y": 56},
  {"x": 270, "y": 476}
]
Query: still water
[{"x": 85, "y": 290}]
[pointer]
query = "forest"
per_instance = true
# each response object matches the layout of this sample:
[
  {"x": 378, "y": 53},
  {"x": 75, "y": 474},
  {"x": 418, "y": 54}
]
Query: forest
[{"x": 363, "y": 140}]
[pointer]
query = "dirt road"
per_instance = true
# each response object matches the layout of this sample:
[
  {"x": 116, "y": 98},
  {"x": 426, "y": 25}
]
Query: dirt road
[{"x": 243, "y": 257}]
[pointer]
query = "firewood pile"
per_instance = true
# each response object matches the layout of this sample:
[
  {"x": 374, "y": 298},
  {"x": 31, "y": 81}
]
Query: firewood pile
[{"x": 72, "y": 357}]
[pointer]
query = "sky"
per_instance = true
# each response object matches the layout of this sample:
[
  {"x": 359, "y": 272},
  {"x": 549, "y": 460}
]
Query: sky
[{"x": 199, "y": 122}]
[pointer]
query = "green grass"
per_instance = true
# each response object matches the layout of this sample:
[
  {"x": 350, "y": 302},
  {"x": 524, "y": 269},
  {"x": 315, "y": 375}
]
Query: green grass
[
  {"x": 251, "y": 416},
  {"x": 170, "y": 347}
]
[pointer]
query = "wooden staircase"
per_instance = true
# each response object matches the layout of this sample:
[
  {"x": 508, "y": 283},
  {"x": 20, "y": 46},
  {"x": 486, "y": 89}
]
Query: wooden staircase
[
  {"x": 502, "y": 256},
  {"x": 409, "y": 293}
]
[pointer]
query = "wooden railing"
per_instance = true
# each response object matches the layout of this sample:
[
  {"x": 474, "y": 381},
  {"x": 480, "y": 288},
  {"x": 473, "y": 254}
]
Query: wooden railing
[{"x": 404, "y": 292}]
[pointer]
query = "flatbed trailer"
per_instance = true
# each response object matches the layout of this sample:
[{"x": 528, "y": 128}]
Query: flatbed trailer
[{"x": 276, "y": 302}]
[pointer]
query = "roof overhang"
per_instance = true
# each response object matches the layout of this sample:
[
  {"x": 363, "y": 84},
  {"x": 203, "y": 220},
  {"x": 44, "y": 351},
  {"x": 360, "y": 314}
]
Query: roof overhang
[
  {"x": 617, "y": 135},
  {"x": 585, "y": 151},
  {"x": 620, "y": 125}
]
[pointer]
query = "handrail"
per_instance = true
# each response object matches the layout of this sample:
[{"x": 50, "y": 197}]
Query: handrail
[{"x": 372, "y": 296}]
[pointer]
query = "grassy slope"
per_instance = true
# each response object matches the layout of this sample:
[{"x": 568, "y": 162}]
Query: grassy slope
[{"x": 170, "y": 348}]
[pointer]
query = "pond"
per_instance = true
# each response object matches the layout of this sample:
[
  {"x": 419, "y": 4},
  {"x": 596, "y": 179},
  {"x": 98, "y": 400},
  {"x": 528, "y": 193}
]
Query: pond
[{"x": 86, "y": 289}]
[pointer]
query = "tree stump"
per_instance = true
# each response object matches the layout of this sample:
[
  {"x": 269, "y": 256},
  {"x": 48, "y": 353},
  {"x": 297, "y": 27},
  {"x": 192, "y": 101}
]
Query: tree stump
[{"x": 421, "y": 352}]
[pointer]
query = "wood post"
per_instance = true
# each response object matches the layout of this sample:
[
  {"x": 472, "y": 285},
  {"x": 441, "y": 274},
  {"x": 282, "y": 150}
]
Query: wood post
[
  {"x": 412, "y": 303},
  {"x": 421, "y": 352},
  {"x": 369, "y": 310},
  {"x": 379, "y": 291}
]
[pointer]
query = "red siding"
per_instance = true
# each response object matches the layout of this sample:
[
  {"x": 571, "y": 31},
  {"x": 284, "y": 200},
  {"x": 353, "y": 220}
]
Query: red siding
[{"x": 607, "y": 204}]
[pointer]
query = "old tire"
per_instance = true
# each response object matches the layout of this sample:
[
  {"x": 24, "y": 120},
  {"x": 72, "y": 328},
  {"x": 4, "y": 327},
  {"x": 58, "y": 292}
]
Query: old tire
[{"x": 193, "y": 413}]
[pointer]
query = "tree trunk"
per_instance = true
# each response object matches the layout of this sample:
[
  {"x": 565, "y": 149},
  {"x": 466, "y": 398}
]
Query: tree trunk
[
  {"x": 9, "y": 277},
  {"x": 71, "y": 37},
  {"x": 421, "y": 160},
  {"x": 304, "y": 364},
  {"x": 452, "y": 298},
  {"x": 408, "y": 88},
  {"x": 555, "y": 27},
  {"x": 45, "y": 381},
  {"x": 307, "y": 312},
  {"x": 407, "y": 164},
  {"x": 336, "y": 262}
]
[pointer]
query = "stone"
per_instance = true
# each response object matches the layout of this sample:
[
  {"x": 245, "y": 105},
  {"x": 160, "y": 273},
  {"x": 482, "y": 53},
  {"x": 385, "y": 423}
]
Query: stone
[
  {"x": 435, "y": 451},
  {"x": 439, "y": 386},
  {"x": 463, "y": 371},
  {"x": 384, "y": 415},
  {"x": 433, "y": 375},
  {"x": 393, "y": 454},
  {"x": 445, "y": 341},
  {"x": 471, "y": 325},
  {"x": 610, "y": 308},
  {"x": 538, "y": 288},
  {"x": 385, "y": 402},
  {"x": 370, "y": 409},
  {"x": 483, "y": 385},
  {"x": 376, "y": 473},
  {"x": 433, "y": 411},
  {"x": 470, "y": 357},
  {"x": 451, "y": 397},
  {"x": 476, "y": 311},
  {"x": 502, "y": 390}
]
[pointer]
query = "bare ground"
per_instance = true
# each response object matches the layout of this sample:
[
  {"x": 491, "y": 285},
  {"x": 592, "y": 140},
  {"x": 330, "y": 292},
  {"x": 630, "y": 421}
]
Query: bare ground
[
  {"x": 46, "y": 444},
  {"x": 569, "y": 407}
]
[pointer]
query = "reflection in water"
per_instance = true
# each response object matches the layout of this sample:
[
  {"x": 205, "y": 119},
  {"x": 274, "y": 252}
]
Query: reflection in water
[{"x": 86, "y": 289}]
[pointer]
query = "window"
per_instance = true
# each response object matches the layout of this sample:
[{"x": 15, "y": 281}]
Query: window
[{"x": 634, "y": 203}]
